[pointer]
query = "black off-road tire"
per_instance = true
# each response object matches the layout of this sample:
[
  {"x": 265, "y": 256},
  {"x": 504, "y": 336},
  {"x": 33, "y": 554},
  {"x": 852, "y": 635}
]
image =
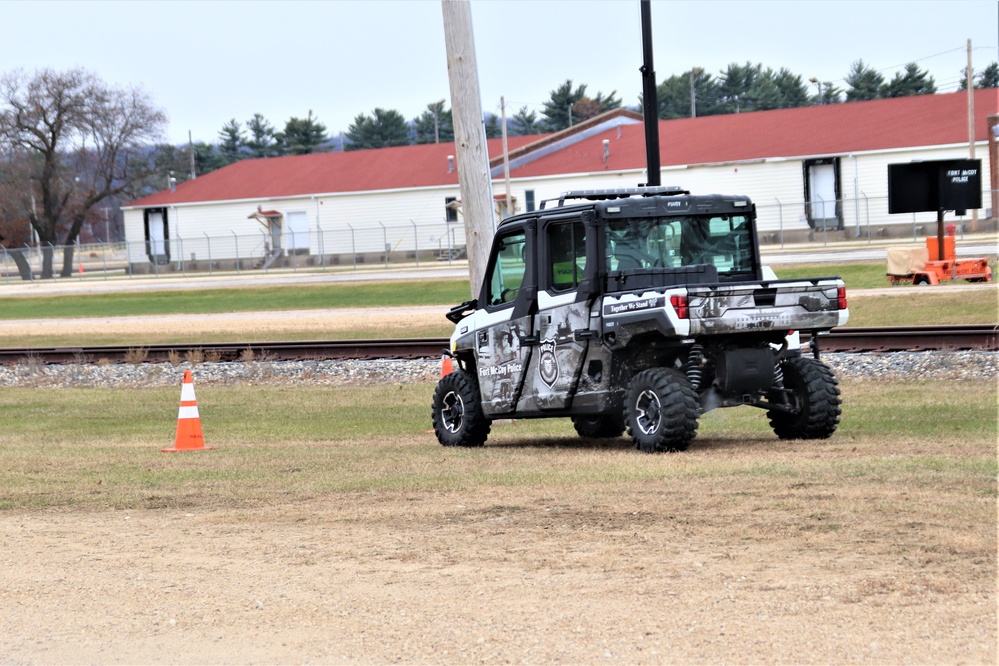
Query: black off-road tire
[
  {"x": 661, "y": 410},
  {"x": 815, "y": 391},
  {"x": 599, "y": 427},
  {"x": 457, "y": 411}
]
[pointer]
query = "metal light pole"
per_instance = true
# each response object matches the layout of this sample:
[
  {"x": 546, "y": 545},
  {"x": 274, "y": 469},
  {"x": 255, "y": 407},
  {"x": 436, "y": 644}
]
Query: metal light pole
[
  {"x": 819, "y": 85},
  {"x": 650, "y": 100}
]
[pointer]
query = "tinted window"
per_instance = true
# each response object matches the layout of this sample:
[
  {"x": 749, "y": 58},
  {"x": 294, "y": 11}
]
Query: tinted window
[
  {"x": 669, "y": 242},
  {"x": 508, "y": 269},
  {"x": 566, "y": 254}
]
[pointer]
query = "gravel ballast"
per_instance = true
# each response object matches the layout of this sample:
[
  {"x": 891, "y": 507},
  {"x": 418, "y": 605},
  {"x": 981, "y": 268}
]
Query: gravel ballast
[{"x": 960, "y": 365}]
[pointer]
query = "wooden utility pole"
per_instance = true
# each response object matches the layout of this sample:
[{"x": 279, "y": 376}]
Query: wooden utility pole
[
  {"x": 508, "y": 205},
  {"x": 474, "y": 180}
]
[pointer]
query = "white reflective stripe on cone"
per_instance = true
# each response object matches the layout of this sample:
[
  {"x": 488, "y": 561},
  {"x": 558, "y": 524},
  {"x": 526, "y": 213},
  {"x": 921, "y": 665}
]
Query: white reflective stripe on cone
[
  {"x": 187, "y": 392},
  {"x": 188, "y": 413}
]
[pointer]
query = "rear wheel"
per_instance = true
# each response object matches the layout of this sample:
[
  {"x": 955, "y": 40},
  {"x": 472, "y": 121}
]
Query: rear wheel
[
  {"x": 599, "y": 427},
  {"x": 661, "y": 411},
  {"x": 815, "y": 394},
  {"x": 457, "y": 411}
]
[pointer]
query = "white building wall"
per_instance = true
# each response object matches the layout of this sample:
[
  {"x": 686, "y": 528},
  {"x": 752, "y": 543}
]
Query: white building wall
[
  {"x": 776, "y": 186},
  {"x": 362, "y": 223},
  {"x": 410, "y": 221}
]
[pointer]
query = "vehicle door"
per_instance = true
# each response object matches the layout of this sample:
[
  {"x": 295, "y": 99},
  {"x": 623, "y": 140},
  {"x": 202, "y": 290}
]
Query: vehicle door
[
  {"x": 566, "y": 273},
  {"x": 504, "y": 344}
]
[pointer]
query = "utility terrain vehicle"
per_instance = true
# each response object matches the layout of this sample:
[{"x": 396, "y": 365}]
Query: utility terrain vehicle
[{"x": 637, "y": 309}]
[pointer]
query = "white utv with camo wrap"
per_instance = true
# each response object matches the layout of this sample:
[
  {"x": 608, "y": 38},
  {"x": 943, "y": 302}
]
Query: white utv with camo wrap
[{"x": 638, "y": 310}]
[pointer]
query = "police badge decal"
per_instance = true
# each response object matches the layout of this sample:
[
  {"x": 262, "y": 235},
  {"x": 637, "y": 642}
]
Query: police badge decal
[{"x": 548, "y": 366}]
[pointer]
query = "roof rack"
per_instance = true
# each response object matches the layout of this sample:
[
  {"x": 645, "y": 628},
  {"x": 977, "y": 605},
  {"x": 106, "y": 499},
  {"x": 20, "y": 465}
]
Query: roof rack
[{"x": 619, "y": 193}]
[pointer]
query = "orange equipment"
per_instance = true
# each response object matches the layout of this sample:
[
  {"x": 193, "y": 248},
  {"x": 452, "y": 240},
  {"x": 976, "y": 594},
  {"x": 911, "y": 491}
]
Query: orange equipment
[{"x": 915, "y": 265}]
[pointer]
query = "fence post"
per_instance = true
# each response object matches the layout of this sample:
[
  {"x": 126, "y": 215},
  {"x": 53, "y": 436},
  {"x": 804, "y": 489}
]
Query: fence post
[
  {"x": 321, "y": 242},
  {"x": 183, "y": 261},
  {"x": 6, "y": 271},
  {"x": 780, "y": 220},
  {"x": 385, "y": 244},
  {"x": 353, "y": 245},
  {"x": 867, "y": 215},
  {"x": 208, "y": 241},
  {"x": 416, "y": 242},
  {"x": 236, "y": 238}
]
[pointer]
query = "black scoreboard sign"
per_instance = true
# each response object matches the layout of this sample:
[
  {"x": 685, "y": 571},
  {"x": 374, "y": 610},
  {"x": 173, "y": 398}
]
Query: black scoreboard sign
[{"x": 938, "y": 185}]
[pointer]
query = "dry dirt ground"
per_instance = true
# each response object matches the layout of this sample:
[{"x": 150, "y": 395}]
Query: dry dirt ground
[
  {"x": 639, "y": 574},
  {"x": 266, "y": 325},
  {"x": 636, "y": 573}
]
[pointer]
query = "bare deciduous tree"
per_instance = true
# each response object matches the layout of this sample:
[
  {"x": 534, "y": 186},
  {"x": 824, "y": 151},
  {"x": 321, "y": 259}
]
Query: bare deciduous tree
[{"x": 81, "y": 140}]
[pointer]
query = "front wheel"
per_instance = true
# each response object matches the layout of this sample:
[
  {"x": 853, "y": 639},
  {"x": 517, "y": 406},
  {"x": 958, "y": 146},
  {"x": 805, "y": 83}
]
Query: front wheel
[
  {"x": 457, "y": 411},
  {"x": 661, "y": 411},
  {"x": 599, "y": 427},
  {"x": 815, "y": 395}
]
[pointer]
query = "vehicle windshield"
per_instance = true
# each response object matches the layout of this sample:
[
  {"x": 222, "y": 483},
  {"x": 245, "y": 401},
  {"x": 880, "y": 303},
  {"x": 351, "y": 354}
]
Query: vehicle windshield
[{"x": 722, "y": 241}]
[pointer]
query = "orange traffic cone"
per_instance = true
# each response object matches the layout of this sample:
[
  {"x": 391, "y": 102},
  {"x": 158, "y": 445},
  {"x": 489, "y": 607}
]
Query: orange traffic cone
[
  {"x": 446, "y": 366},
  {"x": 189, "y": 437}
]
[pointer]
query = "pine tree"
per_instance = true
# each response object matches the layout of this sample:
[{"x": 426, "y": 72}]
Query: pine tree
[
  {"x": 793, "y": 90},
  {"x": 863, "y": 83},
  {"x": 493, "y": 128},
  {"x": 261, "y": 142},
  {"x": 558, "y": 109},
  {"x": 435, "y": 125},
  {"x": 913, "y": 82},
  {"x": 765, "y": 94},
  {"x": 231, "y": 141},
  {"x": 524, "y": 123},
  {"x": 735, "y": 86},
  {"x": 987, "y": 78},
  {"x": 302, "y": 136},
  {"x": 382, "y": 129}
]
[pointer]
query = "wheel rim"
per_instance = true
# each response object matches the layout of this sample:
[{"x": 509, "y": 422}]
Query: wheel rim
[
  {"x": 649, "y": 412},
  {"x": 452, "y": 412}
]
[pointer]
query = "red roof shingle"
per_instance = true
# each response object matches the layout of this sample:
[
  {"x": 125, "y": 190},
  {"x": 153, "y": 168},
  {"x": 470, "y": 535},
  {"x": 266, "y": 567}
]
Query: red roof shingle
[{"x": 834, "y": 129}]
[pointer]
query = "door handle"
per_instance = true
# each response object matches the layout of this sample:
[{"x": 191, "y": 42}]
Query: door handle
[
  {"x": 529, "y": 340},
  {"x": 584, "y": 334}
]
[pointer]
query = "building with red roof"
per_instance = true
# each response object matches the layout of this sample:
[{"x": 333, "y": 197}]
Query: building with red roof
[{"x": 817, "y": 169}]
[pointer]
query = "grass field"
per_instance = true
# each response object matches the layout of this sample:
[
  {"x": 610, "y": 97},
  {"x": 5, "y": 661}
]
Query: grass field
[
  {"x": 100, "y": 448},
  {"x": 906, "y": 307}
]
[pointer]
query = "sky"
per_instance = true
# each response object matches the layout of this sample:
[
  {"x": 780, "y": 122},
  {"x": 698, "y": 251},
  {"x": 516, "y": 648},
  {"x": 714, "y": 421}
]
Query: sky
[{"x": 209, "y": 61}]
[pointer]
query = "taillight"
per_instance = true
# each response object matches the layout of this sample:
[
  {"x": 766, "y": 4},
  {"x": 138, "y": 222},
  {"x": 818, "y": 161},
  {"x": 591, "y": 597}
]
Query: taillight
[
  {"x": 841, "y": 298},
  {"x": 679, "y": 304}
]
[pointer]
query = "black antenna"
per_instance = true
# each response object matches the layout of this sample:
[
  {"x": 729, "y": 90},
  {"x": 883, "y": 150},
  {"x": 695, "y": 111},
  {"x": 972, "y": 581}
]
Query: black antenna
[{"x": 649, "y": 101}]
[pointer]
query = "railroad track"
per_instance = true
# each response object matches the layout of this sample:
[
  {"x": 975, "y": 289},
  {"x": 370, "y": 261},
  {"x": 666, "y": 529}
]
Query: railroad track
[{"x": 847, "y": 339}]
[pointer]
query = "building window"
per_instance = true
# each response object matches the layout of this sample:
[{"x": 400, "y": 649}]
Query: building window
[
  {"x": 451, "y": 209},
  {"x": 529, "y": 200}
]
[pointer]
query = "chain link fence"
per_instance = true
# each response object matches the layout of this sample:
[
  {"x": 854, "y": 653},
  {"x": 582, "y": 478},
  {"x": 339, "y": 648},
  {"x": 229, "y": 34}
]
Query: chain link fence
[{"x": 348, "y": 247}]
